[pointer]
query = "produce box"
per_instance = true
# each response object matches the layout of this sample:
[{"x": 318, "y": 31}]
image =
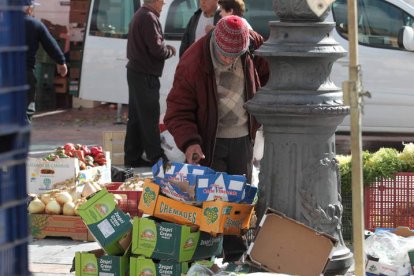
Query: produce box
[
  {"x": 42, "y": 174},
  {"x": 43, "y": 225},
  {"x": 214, "y": 217},
  {"x": 147, "y": 267},
  {"x": 96, "y": 262},
  {"x": 190, "y": 183},
  {"x": 127, "y": 201},
  {"x": 110, "y": 226},
  {"x": 169, "y": 241},
  {"x": 284, "y": 245}
]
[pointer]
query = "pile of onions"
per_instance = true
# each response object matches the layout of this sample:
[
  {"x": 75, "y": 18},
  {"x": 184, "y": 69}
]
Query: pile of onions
[{"x": 57, "y": 202}]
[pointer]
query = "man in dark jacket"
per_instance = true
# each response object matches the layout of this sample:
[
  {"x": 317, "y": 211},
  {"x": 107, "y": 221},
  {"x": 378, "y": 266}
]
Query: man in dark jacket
[
  {"x": 205, "y": 112},
  {"x": 202, "y": 21},
  {"x": 36, "y": 32},
  {"x": 146, "y": 53}
]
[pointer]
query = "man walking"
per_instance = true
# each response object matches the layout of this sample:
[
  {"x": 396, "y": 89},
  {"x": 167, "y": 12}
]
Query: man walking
[{"x": 36, "y": 32}]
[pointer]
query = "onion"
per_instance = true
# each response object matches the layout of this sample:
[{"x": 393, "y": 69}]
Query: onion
[
  {"x": 53, "y": 207},
  {"x": 45, "y": 198},
  {"x": 63, "y": 197},
  {"x": 77, "y": 204},
  {"x": 75, "y": 194},
  {"x": 36, "y": 206},
  {"x": 69, "y": 209}
]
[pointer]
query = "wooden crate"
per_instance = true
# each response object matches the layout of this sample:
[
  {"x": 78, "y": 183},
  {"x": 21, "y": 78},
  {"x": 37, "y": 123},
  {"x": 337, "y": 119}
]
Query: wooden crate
[
  {"x": 43, "y": 225},
  {"x": 114, "y": 143}
]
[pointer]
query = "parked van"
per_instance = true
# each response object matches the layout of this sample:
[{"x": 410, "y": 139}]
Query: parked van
[{"x": 387, "y": 69}]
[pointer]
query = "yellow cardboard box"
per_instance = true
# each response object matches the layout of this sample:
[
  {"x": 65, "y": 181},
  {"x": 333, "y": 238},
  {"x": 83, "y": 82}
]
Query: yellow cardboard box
[{"x": 214, "y": 217}]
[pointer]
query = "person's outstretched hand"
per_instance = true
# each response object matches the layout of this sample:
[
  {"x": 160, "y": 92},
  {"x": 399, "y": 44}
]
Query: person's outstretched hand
[
  {"x": 62, "y": 69},
  {"x": 194, "y": 154}
]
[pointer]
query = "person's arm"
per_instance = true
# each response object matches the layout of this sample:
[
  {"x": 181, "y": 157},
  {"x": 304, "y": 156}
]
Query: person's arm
[
  {"x": 180, "y": 117},
  {"x": 155, "y": 39},
  {"x": 52, "y": 49},
  {"x": 185, "y": 41}
]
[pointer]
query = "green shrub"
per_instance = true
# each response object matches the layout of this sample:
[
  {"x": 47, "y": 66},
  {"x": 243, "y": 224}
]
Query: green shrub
[{"x": 384, "y": 163}]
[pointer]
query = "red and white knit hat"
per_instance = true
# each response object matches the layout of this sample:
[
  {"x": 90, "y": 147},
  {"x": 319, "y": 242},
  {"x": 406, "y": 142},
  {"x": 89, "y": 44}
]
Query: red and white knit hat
[{"x": 231, "y": 36}]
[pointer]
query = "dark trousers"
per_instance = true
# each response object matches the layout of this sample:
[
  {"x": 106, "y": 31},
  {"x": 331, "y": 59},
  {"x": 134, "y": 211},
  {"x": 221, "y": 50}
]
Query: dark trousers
[
  {"x": 234, "y": 156},
  {"x": 143, "y": 134}
]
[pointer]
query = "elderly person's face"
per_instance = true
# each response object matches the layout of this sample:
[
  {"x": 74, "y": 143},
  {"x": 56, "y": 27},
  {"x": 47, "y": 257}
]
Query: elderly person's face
[
  {"x": 225, "y": 60},
  {"x": 209, "y": 6}
]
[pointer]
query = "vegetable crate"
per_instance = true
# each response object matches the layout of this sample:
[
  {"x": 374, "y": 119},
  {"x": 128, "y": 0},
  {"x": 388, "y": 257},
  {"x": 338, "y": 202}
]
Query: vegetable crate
[
  {"x": 128, "y": 201},
  {"x": 13, "y": 88},
  {"x": 10, "y": 21},
  {"x": 14, "y": 239},
  {"x": 389, "y": 203},
  {"x": 13, "y": 154}
]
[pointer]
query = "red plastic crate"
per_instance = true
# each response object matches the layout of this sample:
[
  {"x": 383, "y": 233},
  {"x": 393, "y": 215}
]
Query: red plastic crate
[
  {"x": 389, "y": 203},
  {"x": 130, "y": 199}
]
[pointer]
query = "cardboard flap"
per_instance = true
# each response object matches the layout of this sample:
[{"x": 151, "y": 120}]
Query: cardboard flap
[{"x": 286, "y": 246}]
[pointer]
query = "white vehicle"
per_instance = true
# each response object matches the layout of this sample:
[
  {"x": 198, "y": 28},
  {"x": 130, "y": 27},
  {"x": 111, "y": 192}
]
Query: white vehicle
[{"x": 387, "y": 69}]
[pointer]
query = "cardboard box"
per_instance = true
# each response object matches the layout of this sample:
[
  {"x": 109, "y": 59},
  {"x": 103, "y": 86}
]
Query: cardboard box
[
  {"x": 169, "y": 241},
  {"x": 110, "y": 226},
  {"x": 74, "y": 72},
  {"x": 60, "y": 84},
  {"x": 95, "y": 262},
  {"x": 214, "y": 217},
  {"x": 190, "y": 183},
  {"x": 43, "y": 225},
  {"x": 41, "y": 174},
  {"x": 77, "y": 16},
  {"x": 79, "y": 5},
  {"x": 113, "y": 142},
  {"x": 143, "y": 266},
  {"x": 284, "y": 245},
  {"x": 75, "y": 55}
]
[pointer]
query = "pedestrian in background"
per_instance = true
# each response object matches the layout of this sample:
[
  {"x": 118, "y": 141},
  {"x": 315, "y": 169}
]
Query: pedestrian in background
[
  {"x": 202, "y": 21},
  {"x": 233, "y": 7},
  {"x": 146, "y": 53},
  {"x": 37, "y": 33},
  {"x": 205, "y": 113}
]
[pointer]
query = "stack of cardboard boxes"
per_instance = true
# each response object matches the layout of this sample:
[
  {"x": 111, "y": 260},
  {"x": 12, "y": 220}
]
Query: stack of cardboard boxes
[
  {"x": 78, "y": 15},
  {"x": 187, "y": 211}
]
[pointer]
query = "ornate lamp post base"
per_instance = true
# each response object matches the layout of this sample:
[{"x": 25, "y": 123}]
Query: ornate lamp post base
[{"x": 300, "y": 109}]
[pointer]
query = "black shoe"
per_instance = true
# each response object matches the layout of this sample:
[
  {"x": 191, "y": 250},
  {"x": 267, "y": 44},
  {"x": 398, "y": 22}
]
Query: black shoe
[{"x": 138, "y": 164}]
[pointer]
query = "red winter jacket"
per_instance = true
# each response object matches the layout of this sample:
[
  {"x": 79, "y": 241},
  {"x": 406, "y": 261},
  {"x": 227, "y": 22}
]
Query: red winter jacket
[{"x": 192, "y": 110}]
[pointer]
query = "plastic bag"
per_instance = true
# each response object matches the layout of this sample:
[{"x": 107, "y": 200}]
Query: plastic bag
[
  {"x": 171, "y": 150},
  {"x": 389, "y": 248}
]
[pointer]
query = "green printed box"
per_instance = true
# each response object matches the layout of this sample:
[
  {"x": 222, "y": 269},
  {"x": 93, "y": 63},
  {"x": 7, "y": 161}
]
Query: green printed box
[
  {"x": 95, "y": 263},
  {"x": 141, "y": 266},
  {"x": 110, "y": 226},
  {"x": 169, "y": 241}
]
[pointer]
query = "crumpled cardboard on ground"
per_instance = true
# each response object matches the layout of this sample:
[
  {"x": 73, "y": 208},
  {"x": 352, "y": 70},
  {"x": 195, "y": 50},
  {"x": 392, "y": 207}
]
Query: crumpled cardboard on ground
[{"x": 284, "y": 245}]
